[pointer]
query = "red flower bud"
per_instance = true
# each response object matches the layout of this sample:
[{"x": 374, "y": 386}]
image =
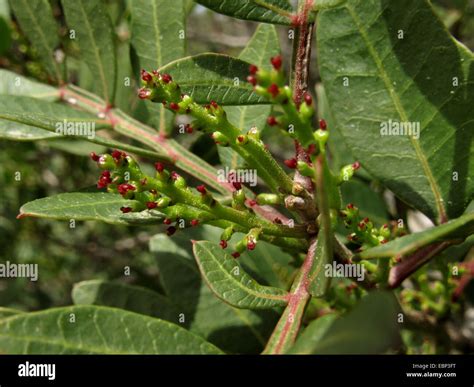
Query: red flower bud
[
  {"x": 350, "y": 206},
  {"x": 166, "y": 78},
  {"x": 223, "y": 243},
  {"x": 170, "y": 230},
  {"x": 174, "y": 106},
  {"x": 253, "y": 69},
  {"x": 151, "y": 205},
  {"x": 274, "y": 90},
  {"x": 308, "y": 99},
  {"x": 124, "y": 188},
  {"x": 94, "y": 156},
  {"x": 159, "y": 167},
  {"x": 272, "y": 121},
  {"x": 252, "y": 80},
  {"x": 174, "y": 175},
  {"x": 146, "y": 76},
  {"x": 241, "y": 138},
  {"x": 322, "y": 124},
  {"x": 236, "y": 254},
  {"x": 237, "y": 185},
  {"x": 188, "y": 128},
  {"x": 252, "y": 202},
  {"x": 201, "y": 189},
  {"x": 356, "y": 165},
  {"x": 214, "y": 104},
  {"x": 167, "y": 221},
  {"x": 251, "y": 245},
  {"x": 194, "y": 222},
  {"x": 144, "y": 93},
  {"x": 291, "y": 163},
  {"x": 277, "y": 62},
  {"x": 116, "y": 154},
  {"x": 366, "y": 220},
  {"x": 125, "y": 209}
]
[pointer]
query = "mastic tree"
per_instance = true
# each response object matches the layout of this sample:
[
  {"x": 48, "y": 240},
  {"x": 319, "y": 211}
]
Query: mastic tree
[{"x": 257, "y": 253}]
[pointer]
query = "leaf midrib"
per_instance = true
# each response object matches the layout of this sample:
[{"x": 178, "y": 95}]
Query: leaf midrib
[
  {"x": 42, "y": 38},
  {"x": 403, "y": 115},
  {"x": 96, "y": 52}
]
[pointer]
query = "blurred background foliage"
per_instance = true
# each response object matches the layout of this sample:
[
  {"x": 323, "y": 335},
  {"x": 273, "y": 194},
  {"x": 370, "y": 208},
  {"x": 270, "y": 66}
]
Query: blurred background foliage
[{"x": 91, "y": 250}]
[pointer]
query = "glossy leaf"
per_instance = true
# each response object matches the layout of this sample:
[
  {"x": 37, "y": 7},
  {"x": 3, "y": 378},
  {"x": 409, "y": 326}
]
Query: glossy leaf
[
  {"x": 132, "y": 298},
  {"x": 386, "y": 62},
  {"x": 15, "y": 84},
  {"x": 228, "y": 280},
  {"x": 204, "y": 313},
  {"x": 220, "y": 76},
  {"x": 95, "y": 37},
  {"x": 37, "y": 22},
  {"x": 370, "y": 328},
  {"x": 267, "y": 11},
  {"x": 43, "y": 114},
  {"x": 96, "y": 330},
  {"x": 457, "y": 229},
  {"x": 262, "y": 46},
  {"x": 80, "y": 206}
]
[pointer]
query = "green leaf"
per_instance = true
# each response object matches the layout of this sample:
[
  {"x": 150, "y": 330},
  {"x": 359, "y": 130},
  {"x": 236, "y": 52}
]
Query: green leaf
[
  {"x": 340, "y": 155},
  {"x": 370, "y": 328},
  {"x": 267, "y": 11},
  {"x": 312, "y": 334},
  {"x": 273, "y": 266},
  {"x": 409, "y": 80},
  {"x": 221, "y": 76},
  {"x": 95, "y": 38},
  {"x": 37, "y": 22},
  {"x": 75, "y": 147},
  {"x": 96, "y": 330},
  {"x": 44, "y": 114},
  {"x": 8, "y": 312},
  {"x": 458, "y": 229},
  {"x": 14, "y": 131},
  {"x": 204, "y": 313},
  {"x": 100, "y": 206},
  {"x": 228, "y": 280},
  {"x": 318, "y": 281},
  {"x": 158, "y": 28},
  {"x": 325, "y": 4},
  {"x": 132, "y": 298},
  {"x": 5, "y": 33},
  {"x": 15, "y": 84},
  {"x": 262, "y": 46}
]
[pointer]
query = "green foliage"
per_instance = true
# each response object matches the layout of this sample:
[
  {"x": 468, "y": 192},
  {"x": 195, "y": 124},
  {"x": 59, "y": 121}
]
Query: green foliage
[{"x": 238, "y": 252}]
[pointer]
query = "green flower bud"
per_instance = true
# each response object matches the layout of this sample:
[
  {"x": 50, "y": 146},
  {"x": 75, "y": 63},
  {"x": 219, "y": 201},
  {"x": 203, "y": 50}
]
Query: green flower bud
[
  {"x": 227, "y": 233},
  {"x": 305, "y": 169},
  {"x": 266, "y": 198},
  {"x": 106, "y": 161},
  {"x": 163, "y": 202}
]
